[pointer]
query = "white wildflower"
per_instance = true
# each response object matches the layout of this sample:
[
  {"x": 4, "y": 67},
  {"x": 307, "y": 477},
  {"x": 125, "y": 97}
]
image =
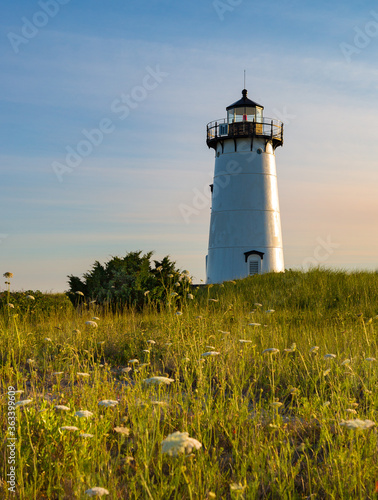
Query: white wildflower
[
  {"x": 62, "y": 408},
  {"x": 329, "y": 356},
  {"x": 83, "y": 414},
  {"x": 314, "y": 349},
  {"x": 47, "y": 339},
  {"x": 69, "y": 428},
  {"x": 97, "y": 491},
  {"x": 179, "y": 442},
  {"x": 237, "y": 487},
  {"x": 179, "y": 313},
  {"x": 108, "y": 403},
  {"x": 133, "y": 361},
  {"x": 370, "y": 359},
  {"x": 30, "y": 297},
  {"x": 79, "y": 293},
  {"x": 190, "y": 296},
  {"x": 269, "y": 311},
  {"x": 210, "y": 353},
  {"x": 93, "y": 324},
  {"x": 254, "y": 324},
  {"x": 151, "y": 342},
  {"x": 357, "y": 424},
  {"x": 122, "y": 430},
  {"x": 213, "y": 300},
  {"x": 85, "y": 435},
  {"x": 57, "y": 373},
  {"x": 270, "y": 350},
  {"x": 23, "y": 402},
  {"x": 82, "y": 374},
  {"x": 158, "y": 380}
]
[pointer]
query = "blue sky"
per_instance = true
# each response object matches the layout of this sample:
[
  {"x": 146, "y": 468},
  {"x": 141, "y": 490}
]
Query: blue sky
[{"x": 143, "y": 79}]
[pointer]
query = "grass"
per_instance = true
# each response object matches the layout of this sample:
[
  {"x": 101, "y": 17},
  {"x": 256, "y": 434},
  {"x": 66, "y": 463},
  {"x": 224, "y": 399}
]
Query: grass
[{"x": 271, "y": 425}]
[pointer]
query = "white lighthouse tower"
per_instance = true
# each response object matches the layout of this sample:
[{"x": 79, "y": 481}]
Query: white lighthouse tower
[{"x": 245, "y": 227}]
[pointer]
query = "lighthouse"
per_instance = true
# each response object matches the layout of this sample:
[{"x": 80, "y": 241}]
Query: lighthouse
[{"x": 245, "y": 235}]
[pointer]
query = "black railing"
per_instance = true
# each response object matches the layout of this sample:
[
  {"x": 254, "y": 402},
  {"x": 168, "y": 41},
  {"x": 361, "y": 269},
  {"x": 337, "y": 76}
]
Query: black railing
[{"x": 267, "y": 128}]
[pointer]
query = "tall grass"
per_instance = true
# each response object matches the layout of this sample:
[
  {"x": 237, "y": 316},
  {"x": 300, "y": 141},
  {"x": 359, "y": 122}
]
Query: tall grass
[{"x": 271, "y": 425}]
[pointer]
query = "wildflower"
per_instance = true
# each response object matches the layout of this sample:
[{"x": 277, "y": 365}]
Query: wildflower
[
  {"x": 82, "y": 374},
  {"x": 30, "y": 361},
  {"x": 345, "y": 362},
  {"x": 20, "y": 391},
  {"x": 190, "y": 296},
  {"x": 276, "y": 404},
  {"x": 85, "y": 435},
  {"x": 329, "y": 356},
  {"x": 69, "y": 428},
  {"x": 93, "y": 301},
  {"x": 370, "y": 359},
  {"x": 57, "y": 373},
  {"x": 210, "y": 353},
  {"x": 93, "y": 324},
  {"x": 314, "y": 349},
  {"x": 79, "y": 293},
  {"x": 143, "y": 365},
  {"x": 11, "y": 306},
  {"x": 326, "y": 372},
  {"x": 133, "y": 361},
  {"x": 97, "y": 491},
  {"x": 270, "y": 311},
  {"x": 95, "y": 318},
  {"x": 177, "y": 284},
  {"x": 23, "y": 402},
  {"x": 158, "y": 380},
  {"x": 83, "y": 414},
  {"x": 122, "y": 430},
  {"x": 127, "y": 369},
  {"x": 62, "y": 407},
  {"x": 290, "y": 349},
  {"x": 151, "y": 342},
  {"x": 47, "y": 339},
  {"x": 8, "y": 275},
  {"x": 243, "y": 341},
  {"x": 179, "y": 313},
  {"x": 30, "y": 297},
  {"x": 108, "y": 403},
  {"x": 357, "y": 424},
  {"x": 168, "y": 344},
  {"x": 237, "y": 487},
  {"x": 326, "y": 403},
  {"x": 101, "y": 342},
  {"x": 146, "y": 350},
  {"x": 351, "y": 410},
  {"x": 294, "y": 391},
  {"x": 179, "y": 442},
  {"x": 257, "y": 304},
  {"x": 76, "y": 331},
  {"x": 146, "y": 293},
  {"x": 212, "y": 348},
  {"x": 254, "y": 324},
  {"x": 213, "y": 300},
  {"x": 271, "y": 350},
  {"x": 159, "y": 269}
]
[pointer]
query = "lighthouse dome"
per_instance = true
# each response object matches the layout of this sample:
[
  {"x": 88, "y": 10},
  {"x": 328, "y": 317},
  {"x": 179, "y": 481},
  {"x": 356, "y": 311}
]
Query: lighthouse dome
[{"x": 244, "y": 101}]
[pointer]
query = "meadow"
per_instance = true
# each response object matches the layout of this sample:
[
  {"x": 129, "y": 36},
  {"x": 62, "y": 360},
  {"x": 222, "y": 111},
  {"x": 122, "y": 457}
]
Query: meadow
[{"x": 263, "y": 388}]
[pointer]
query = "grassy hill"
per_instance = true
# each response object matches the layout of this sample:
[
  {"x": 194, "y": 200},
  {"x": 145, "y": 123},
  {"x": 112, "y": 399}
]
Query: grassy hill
[{"x": 275, "y": 376}]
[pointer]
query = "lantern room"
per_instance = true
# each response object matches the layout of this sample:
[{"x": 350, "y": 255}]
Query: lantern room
[{"x": 244, "y": 110}]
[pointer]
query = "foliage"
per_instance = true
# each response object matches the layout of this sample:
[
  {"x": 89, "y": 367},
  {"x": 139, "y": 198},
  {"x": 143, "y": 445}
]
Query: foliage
[{"x": 130, "y": 281}]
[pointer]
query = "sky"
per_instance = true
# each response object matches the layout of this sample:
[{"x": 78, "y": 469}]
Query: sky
[{"x": 104, "y": 106}]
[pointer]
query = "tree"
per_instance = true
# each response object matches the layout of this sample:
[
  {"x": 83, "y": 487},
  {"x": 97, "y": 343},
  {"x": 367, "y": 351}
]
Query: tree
[{"x": 130, "y": 281}]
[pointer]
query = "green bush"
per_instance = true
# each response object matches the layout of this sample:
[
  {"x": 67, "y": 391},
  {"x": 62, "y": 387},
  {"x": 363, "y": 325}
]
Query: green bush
[{"x": 130, "y": 281}]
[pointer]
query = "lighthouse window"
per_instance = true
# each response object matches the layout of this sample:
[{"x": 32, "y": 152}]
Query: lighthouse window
[{"x": 253, "y": 267}]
